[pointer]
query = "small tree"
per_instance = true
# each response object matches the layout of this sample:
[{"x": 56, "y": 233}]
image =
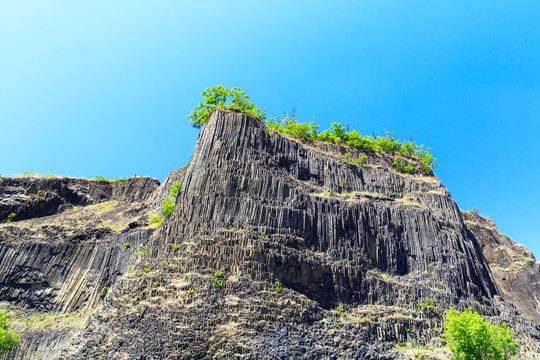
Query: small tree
[
  {"x": 217, "y": 97},
  {"x": 469, "y": 337},
  {"x": 8, "y": 337}
]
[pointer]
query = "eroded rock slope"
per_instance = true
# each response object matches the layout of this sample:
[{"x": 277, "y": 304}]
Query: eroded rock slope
[{"x": 276, "y": 249}]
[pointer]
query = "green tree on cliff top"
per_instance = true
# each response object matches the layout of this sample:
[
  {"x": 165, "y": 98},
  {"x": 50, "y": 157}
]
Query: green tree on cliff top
[{"x": 221, "y": 97}]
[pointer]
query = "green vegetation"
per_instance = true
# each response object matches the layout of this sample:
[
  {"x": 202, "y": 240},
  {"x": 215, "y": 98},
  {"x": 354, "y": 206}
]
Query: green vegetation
[
  {"x": 156, "y": 220},
  {"x": 175, "y": 189},
  {"x": 474, "y": 211},
  {"x": 176, "y": 247},
  {"x": 338, "y": 134},
  {"x": 100, "y": 178},
  {"x": 146, "y": 270},
  {"x": 340, "y": 308},
  {"x": 8, "y": 336},
  {"x": 167, "y": 208},
  {"x": 526, "y": 259},
  {"x": 401, "y": 167},
  {"x": 127, "y": 245},
  {"x": 190, "y": 291},
  {"x": 168, "y": 205},
  {"x": 10, "y": 217},
  {"x": 104, "y": 292},
  {"x": 219, "y": 96},
  {"x": 290, "y": 126},
  {"x": 217, "y": 282},
  {"x": 279, "y": 287},
  {"x": 156, "y": 284},
  {"x": 223, "y": 98},
  {"x": 27, "y": 174},
  {"x": 348, "y": 159},
  {"x": 428, "y": 304},
  {"x": 469, "y": 337}
]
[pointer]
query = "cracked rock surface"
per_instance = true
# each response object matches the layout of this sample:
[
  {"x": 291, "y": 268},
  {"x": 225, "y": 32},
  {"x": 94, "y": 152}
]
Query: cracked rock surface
[{"x": 276, "y": 249}]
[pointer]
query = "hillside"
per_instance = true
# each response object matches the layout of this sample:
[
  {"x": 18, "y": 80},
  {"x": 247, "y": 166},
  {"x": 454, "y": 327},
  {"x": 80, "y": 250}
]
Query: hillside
[{"x": 356, "y": 248}]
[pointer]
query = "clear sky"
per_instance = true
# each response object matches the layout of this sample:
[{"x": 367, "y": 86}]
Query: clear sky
[{"x": 103, "y": 87}]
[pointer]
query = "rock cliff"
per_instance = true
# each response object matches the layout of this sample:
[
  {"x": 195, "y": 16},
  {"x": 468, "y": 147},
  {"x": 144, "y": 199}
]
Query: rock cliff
[
  {"x": 514, "y": 268},
  {"x": 276, "y": 249}
]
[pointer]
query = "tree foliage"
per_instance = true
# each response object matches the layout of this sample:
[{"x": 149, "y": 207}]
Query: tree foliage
[
  {"x": 339, "y": 134},
  {"x": 168, "y": 205},
  {"x": 8, "y": 337},
  {"x": 175, "y": 189},
  {"x": 289, "y": 126},
  {"x": 225, "y": 98},
  {"x": 469, "y": 337}
]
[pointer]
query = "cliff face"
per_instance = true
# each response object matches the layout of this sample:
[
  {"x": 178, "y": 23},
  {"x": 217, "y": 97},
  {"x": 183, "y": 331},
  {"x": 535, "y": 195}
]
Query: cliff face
[
  {"x": 514, "y": 268},
  {"x": 59, "y": 264},
  {"x": 356, "y": 248},
  {"x": 326, "y": 223}
]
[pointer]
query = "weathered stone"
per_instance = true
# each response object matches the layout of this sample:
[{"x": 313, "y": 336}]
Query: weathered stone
[
  {"x": 357, "y": 248},
  {"x": 34, "y": 197},
  {"x": 514, "y": 267}
]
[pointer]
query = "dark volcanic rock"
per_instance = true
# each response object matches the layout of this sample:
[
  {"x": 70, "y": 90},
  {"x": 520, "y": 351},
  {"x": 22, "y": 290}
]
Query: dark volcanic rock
[
  {"x": 516, "y": 271},
  {"x": 320, "y": 225},
  {"x": 165, "y": 188},
  {"x": 35, "y": 197},
  {"x": 61, "y": 276},
  {"x": 132, "y": 190},
  {"x": 357, "y": 248}
]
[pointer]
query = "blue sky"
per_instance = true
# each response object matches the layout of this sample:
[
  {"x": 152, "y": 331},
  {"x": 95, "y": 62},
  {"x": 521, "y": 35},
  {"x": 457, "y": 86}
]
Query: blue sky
[{"x": 103, "y": 88}]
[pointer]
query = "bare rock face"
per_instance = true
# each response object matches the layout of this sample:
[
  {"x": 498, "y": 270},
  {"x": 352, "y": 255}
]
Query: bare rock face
[
  {"x": 165, "y": 188},
  {"x": 33, "y": 197},
  {"x": 276, "y": 249},
  {"x": 514, "y": 268},
  {"x": 132, "y": 190},
  {"x": 71, "y": 238}
]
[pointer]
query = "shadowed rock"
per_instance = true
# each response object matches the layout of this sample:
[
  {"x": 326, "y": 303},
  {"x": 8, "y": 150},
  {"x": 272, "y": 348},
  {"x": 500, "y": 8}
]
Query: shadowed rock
[{"x": 357, "y": 249}]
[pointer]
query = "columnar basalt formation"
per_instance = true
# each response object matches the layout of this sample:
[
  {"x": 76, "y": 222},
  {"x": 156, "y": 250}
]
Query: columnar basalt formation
[
  {"x": 276, "y": 249},
  {"x": 514, "y": 268},
  {"x": 326, "y": 223}
]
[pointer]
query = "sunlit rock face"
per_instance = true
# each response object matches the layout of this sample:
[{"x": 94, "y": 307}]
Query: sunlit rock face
[
  {"x": 276, "y": 249},
  {"x": 329, "y": 227}
]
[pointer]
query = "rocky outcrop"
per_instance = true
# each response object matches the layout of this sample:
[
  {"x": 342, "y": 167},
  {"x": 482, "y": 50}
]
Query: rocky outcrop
[
  {"x": 131, "y": 190},
  {"x": 32, "y": 197},
  {"x": 319, "y": 225},
  {"x": 165, "y": 188},
  {"x": 54, "y": 268},
  {"x": 263, "y": 209},
  {"x": 35, "y": 197},
  {"x": 514, "y": 267},
  {"x": 276, "y": 249},
  {"x": 64, "y": 277}
]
